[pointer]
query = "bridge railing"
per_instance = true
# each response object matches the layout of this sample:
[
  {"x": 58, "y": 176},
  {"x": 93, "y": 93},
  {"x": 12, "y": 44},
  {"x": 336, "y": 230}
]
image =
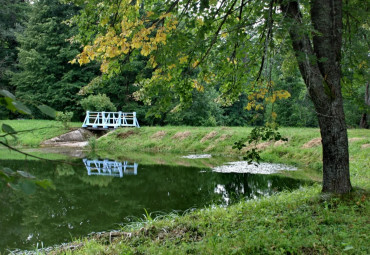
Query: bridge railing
[{"x": 110, "y": 119}]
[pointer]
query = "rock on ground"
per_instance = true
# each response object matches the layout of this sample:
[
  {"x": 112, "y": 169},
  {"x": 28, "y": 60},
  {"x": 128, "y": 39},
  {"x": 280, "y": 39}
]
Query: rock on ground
[{"x": 75, "y": 138}]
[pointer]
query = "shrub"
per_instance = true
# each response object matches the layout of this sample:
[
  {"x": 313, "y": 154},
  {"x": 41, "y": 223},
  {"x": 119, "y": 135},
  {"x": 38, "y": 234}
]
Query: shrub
[
  {"x": 65, "y": 118},
  {"x": 98, "y": 103}
]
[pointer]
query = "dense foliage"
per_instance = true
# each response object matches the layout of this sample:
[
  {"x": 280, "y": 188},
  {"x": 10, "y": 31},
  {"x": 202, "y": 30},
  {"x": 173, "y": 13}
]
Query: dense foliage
[
  {"x": 44, "y": 75},
  {"x": 48, "y": 38}
]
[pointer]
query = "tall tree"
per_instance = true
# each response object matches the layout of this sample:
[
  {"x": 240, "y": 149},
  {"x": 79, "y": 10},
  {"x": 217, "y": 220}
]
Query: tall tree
[
  {"x": 45, "y": 76},
  {"x": 232, "y": 43},
  {"x": 320, "y": 66},
  {"x": 13, "y": 15}
]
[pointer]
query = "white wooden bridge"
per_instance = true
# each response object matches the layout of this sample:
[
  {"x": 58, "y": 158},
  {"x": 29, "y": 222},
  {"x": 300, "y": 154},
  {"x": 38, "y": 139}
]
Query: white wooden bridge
[
  {"x": 107, "y": 120},
  {"x": 109, "y": 167}
]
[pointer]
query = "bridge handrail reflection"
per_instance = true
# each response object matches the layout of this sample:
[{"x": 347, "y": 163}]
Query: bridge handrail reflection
[{"x": 109, "y": 167}]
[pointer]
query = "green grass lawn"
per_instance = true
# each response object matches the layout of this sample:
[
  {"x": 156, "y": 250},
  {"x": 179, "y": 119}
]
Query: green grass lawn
[{"x": 40, "y": 130}]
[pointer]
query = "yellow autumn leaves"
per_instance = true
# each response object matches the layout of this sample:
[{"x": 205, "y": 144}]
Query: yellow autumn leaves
[
  {"x": 262, "y": 95},
  {"x": 134, "y": 34}
]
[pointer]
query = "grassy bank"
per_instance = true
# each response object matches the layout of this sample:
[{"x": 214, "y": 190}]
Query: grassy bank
[
  {"x": 33, "y": 132},
  {"x": 299, "y": 222},
  {"x": 215, "y": 140},
  {"x": 303, "y": 148}
]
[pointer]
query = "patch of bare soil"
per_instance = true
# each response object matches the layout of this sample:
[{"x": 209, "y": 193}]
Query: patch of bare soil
[
  {"x": 159, "y": 135},
  {"x": 365, "y": 146},
  {"x": 280, "y": 143},
  {"x": 126, "y": 134},
  {"x": 313, "y": 143},
  {"x": 223, "y": 137},
  {"x": 182, "y": 163},
  {"x": 160, "y": 161},
  {"x": 105, "y": 135},
  {"x": 209, "y": 148},
  {"x": 208, "y": 136},
  {"x": 355, "y": 139},
  {"x": 262, "y": 146},
  {"x": 181, "y": 135}
]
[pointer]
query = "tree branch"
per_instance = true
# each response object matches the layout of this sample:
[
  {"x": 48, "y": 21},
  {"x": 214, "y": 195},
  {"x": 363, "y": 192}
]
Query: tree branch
[{"x": 216, "y": 34}]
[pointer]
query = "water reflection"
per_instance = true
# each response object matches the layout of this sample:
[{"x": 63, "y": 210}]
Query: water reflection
[
  {"x": 109, "y": 167},
  {"x": 83, "y": 203}
]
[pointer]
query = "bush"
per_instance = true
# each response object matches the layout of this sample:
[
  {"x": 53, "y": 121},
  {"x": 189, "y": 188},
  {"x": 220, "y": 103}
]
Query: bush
[
  {"x": 98, "y": 103},
  {"x": 65, "y": 118}
]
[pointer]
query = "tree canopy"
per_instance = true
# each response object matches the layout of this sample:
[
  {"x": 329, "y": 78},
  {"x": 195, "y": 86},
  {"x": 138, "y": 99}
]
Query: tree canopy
[
  {"x": 212, "y": 59},
  {"x": 232, "y": 45}
]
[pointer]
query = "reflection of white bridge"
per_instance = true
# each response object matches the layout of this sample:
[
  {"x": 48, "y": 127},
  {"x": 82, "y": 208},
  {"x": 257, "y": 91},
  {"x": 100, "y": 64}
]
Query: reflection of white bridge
[
  {"x": 105, "y": 120},
  {"x": 109, "y": 167}
]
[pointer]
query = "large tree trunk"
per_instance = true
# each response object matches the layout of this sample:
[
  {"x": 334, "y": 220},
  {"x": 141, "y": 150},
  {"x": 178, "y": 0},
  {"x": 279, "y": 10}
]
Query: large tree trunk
[{"x": 321, "y": 71}]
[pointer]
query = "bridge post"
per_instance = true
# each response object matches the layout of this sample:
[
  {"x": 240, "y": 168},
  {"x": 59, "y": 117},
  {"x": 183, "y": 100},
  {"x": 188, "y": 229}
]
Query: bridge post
[
  {"x": 120, "y": 169},
  {"x": 87, "y": 119},
  {"x": 95, "y": 125},
  {"x": 103, "y": 120},
  {"x": 119, "y": 118},
  {"x": 136, "y": 123},
  {"x": 135, "y": 168}
]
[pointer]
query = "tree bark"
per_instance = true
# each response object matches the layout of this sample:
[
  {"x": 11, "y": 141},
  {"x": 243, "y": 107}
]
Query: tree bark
[
  {"x": 363, "y": 121},
  {"x": 320, "y": 68}
]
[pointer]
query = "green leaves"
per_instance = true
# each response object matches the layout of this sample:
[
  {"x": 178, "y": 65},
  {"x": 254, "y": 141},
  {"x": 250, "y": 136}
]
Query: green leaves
[
  {"x": 47, "y": 110},
  {"x": 8, "y": 129},
  {"x": 27, "y": 187},
  {"x": 6, "y": 93},
  {"x": 22, "y": 181},
  {"x": 252, "y": 155},
  {"x": 45, "y": 184},
  {"x": 26, "y": 175},
  {"x": 258, "y": 134},
  {"x": 264, "y": 134},
  {"x": 8, "y": 100},
  {"x": 20, "y": 107}
]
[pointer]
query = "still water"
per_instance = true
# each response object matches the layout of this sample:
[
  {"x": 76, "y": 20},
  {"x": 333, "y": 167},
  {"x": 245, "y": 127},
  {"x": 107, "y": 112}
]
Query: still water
[{"x": 92, "y": 196}]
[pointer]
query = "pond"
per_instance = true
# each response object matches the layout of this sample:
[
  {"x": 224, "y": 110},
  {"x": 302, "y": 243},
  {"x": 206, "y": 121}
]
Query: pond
[{"x": 100, "y": 195}]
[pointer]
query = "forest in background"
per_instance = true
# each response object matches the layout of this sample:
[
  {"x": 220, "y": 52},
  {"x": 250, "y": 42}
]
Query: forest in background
[{"x": 37, "y": 44}]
